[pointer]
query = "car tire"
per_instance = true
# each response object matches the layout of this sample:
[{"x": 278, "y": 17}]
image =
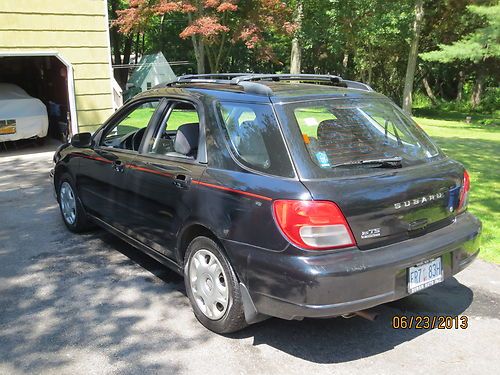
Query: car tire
[
  {"x": 213, "y": 280},
  {"x": 72, "y": 212}
]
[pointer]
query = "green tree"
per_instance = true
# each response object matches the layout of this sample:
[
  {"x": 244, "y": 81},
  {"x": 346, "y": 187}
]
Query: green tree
[
  {"x": 214, "y": 26},
  {"x": 480, "y": 47}
]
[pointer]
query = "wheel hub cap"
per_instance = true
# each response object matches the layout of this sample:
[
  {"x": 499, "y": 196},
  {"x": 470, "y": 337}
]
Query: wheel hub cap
[
  {"x": 68, "y": 203},
  {"x": 207, "y": 280}
]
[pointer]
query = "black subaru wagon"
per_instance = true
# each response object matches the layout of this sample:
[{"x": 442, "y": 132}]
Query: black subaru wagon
[{"x": 274, "y": 195}]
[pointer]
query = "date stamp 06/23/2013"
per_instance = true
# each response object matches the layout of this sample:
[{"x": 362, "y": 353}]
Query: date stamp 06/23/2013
[{"x": 430, "y": 322}]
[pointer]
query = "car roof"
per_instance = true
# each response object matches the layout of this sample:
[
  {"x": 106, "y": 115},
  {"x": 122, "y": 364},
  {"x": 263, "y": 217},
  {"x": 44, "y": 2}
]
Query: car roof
[{"x": 263, "y": 88}]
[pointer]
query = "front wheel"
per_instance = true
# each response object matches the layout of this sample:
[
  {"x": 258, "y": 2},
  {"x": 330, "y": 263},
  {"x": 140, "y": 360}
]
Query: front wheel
[
  {"x": 72, "y": 212},
  {"x": 212, "y": 287}
]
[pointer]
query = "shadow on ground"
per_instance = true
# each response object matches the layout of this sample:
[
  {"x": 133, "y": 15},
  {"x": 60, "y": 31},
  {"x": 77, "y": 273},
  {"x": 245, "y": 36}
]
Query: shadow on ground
[{"x": 330, "y": 340}]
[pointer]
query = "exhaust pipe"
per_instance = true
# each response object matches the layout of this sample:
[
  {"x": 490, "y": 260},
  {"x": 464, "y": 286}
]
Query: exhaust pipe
[{"x": 370, "y": 315}]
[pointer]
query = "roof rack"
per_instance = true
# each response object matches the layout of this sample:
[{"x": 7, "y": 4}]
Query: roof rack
[{"x": 250, "y": 82}]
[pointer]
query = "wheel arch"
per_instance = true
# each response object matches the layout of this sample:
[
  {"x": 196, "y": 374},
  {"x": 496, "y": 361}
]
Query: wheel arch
[
  {"x": 189, "y": 233},
  {"x": 59, "y": 171}
]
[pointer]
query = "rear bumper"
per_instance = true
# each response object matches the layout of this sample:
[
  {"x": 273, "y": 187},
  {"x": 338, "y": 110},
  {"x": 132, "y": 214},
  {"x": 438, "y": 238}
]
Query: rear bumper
[{"x": 292, "y": 285}]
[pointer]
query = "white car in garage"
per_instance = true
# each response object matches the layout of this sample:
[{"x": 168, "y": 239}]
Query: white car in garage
[{"x": 21, "y": 115}]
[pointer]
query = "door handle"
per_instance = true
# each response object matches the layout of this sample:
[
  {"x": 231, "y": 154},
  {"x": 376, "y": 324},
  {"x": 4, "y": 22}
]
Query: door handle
[
  {"x": 118, "y": 166},
  {"x": 182, "y": 181}
]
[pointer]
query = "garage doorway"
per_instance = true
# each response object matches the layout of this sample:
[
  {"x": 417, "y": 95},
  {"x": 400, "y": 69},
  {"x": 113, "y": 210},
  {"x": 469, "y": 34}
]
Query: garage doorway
[{"x": 48, "y": 77}]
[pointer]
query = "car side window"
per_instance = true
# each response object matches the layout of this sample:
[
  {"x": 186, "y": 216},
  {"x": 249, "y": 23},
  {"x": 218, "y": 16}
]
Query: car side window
[
  {"x": 128, "y": 132},
  {"x": 178, "y": 134},
  {"x": 253, "y": 134}
]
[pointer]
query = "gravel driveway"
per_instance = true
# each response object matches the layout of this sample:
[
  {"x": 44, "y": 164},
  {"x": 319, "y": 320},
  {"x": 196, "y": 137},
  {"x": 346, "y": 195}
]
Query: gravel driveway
[{"x": 91, "y": 304}]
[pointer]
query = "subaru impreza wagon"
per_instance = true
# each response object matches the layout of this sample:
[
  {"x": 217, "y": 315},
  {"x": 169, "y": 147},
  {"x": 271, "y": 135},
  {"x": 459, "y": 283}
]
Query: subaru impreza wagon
[{"x": 289, "y": 196}]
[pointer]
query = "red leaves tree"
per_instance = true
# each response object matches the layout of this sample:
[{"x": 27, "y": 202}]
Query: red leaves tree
[{"x": 215, "y": 25}]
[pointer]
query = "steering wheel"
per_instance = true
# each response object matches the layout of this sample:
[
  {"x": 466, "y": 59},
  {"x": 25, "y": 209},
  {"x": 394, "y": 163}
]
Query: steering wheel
[
  {"x": 127, "y": 143},
  {"x": 137, "y": 138}
]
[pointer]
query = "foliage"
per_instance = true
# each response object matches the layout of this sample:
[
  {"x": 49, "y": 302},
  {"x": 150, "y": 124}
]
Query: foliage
[
  {"x": 214, "y": 26},
  {"x": 479, "y": 45},
  {"x": 365, "y": 40}
]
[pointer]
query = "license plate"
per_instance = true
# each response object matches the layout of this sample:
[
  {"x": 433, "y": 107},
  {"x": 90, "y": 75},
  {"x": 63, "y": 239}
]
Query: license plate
[
  {"x": 424, "y": 275},
  {"x": 7, "y": 126}
]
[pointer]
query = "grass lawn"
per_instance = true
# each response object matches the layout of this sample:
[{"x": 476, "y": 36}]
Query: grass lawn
[
  {"x": 478, "y": 148},
  {"x": 140, "y": 118}
]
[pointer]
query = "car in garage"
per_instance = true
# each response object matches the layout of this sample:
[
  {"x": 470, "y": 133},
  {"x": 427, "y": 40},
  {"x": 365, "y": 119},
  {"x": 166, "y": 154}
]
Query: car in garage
[
  {"x": 289, "y": 196},
  {"x": 21, "y": 115}
]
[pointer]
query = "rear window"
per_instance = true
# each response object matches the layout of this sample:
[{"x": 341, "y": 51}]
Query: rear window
[
  {"x": 336, "y": 132},
  {"x": 253, "y": 134}
]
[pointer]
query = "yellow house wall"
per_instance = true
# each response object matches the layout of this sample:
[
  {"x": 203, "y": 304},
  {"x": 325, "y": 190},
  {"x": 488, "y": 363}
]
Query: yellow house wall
[{"x": 78, "y": 31}]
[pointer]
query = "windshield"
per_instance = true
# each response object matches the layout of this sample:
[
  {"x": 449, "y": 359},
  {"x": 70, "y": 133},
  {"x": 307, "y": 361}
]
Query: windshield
[{"x": 337, "y": 133}]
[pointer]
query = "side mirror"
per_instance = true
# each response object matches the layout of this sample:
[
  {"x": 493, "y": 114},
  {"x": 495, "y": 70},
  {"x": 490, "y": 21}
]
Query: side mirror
[{"x": 82, "y": 140}]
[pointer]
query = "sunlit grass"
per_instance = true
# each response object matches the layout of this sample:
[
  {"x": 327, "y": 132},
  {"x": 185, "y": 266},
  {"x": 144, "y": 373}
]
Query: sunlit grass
[
  {"x": 478, "y": 149},
  {"x": 140, "y": 118}
]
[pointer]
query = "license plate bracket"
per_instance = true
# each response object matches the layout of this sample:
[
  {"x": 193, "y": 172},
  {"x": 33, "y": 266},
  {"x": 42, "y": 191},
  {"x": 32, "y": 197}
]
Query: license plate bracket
[{"x": 425, "y": 274}]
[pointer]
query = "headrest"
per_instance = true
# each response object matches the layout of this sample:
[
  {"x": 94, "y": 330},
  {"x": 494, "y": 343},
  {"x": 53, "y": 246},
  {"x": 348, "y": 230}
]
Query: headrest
[
  {"x": 186, "y": 139},
  {"x": 326, "y": 125}
]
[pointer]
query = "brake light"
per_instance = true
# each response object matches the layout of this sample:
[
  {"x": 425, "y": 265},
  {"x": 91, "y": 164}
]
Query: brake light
[
  {"x": 464, "y": 193},
  {"x": 314, "y": 225}
]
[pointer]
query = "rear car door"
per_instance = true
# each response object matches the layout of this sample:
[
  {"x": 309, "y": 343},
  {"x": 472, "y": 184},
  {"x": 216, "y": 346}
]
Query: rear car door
[
  {"x": 172, "y": 159},
  {"x": 104, "y": 170}
]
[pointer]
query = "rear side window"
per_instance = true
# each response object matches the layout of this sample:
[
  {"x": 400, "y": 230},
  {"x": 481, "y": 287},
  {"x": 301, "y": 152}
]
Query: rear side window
[{"x": 254, "y": 137}]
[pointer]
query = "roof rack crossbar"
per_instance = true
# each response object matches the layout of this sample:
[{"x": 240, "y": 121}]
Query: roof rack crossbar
[
  {"x": 225, "y": 76},
  {"x": 288, "y": 77},
  {"x": 250, "y": 82}
]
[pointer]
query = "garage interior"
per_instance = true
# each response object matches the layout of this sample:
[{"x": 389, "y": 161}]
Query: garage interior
[{"x": 45, "y": 78}]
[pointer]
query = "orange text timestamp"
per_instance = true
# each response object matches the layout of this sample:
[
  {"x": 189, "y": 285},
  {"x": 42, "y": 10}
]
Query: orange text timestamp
[{"x": 430, "y": 322}]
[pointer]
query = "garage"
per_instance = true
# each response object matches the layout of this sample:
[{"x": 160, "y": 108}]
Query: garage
[
  {"x": 55, "y": 55},
  {"x": 43, "y": 77}
]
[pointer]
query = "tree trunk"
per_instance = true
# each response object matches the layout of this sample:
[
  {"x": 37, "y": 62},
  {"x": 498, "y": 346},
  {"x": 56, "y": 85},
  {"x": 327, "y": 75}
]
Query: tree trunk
[
  {"x": 370, "y": 65},
  {"x": 142, "y": 49},
  {"x": 199, "y": 53},
  {"x": 116, "y": 42},
  {"x": 460, "y": 86},
  {"x": 428, "y": 90},
  {"x": 427, "y": 87},
  {"x": 121, "y": 73},
  {"x": 477, "y": 91},
  {"x": 412, "y": 57},
  {"x": 345, "y": 62},
  {"x": 296, "y": 54},
  {"x": 136, "y": 47}
]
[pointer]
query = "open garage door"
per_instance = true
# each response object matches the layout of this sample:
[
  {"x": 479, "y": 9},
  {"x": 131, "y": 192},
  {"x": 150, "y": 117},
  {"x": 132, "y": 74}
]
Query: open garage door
[{"x": 48, "y": 78}]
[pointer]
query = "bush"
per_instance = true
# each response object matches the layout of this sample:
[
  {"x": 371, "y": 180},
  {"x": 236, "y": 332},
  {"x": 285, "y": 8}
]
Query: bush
[{"x": 490, "y": 101}]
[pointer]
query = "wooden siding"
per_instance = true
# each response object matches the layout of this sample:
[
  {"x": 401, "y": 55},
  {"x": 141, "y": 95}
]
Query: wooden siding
[{"x": 78, "y": 32}]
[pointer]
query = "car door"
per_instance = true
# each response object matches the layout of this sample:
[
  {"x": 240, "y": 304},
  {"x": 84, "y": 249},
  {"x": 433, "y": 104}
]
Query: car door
[
  {"x": 104, "y": 169},
  {"x": 163, "y": 176}
]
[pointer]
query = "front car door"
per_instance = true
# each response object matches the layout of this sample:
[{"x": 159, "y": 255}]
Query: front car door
[
  {"x": 104, "y": 170},
  {"x": 163, "y": 175}
]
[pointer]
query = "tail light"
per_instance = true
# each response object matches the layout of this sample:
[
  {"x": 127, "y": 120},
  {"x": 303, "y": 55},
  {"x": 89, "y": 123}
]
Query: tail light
[
  {"x": 314, "y": 225},
  {"x": 464, "y": 193}
]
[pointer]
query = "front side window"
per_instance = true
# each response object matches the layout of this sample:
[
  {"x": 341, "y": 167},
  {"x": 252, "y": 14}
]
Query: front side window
[
  {"x": 127, "y": 133},
  {"x": 178, "y": 134},
  {"x": 253, "y": 134},
  {"x": 338, "y": 132}
]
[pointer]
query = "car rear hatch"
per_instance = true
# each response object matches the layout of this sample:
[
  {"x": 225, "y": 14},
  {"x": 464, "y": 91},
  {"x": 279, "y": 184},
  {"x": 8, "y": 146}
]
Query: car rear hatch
[
  {"x": 388, "y": 206},
  {"x": 362, "y": 152}
]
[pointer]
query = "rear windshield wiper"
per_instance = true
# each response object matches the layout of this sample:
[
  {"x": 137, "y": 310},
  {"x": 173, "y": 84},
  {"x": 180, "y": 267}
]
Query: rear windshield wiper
[{"x": 394, "y": 162}]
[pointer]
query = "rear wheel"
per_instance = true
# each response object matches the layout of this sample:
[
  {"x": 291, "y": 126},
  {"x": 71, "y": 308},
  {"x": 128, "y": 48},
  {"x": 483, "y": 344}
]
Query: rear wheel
[
  {"x": 72, "y": 212},
  {"x": 212, "y": 287}
]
